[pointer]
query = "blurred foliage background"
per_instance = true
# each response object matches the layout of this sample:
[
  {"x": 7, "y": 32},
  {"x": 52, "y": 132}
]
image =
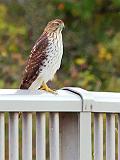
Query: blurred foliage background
[
  {"x": 91, "y": 37},
  {"x": 91, "y": 41}
]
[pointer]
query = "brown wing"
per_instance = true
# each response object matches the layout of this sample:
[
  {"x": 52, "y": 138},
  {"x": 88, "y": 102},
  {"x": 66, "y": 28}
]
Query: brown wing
[{"x": 34, "y": 61}]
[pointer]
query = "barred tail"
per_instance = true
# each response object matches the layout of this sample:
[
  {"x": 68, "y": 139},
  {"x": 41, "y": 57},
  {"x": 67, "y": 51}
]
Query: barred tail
[{"x": 24, "y": 86}]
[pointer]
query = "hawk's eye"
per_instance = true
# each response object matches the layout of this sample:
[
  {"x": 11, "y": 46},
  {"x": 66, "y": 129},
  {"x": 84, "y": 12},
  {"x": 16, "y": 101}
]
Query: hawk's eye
[{"x": 56, "y": 24}]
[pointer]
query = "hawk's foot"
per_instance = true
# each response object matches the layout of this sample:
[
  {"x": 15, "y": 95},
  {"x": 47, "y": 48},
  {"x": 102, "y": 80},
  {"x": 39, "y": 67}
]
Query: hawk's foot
[
  {"x": 19, "y": 114},
  {"x": 46, "y": 88}
]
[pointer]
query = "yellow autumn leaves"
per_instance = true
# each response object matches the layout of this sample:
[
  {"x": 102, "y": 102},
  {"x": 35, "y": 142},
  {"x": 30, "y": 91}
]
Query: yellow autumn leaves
[{"x": 103, "y": 53}]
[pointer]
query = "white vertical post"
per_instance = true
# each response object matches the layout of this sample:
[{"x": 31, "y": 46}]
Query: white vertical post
[
  {"x": 118, "y": 136},
  {"x": 13, "y": 136},
  {"x": 54, "y": 136},
  {"x": 110, "y": 136},
  {"x": 2, "y": 137},
  {"x": 98, "y": 136},
  {"x": 27, "y": 136},
  {"x": 40, "y": 136},
  {"x": 69, "y": 136},
  {"x": 85, "y": 136}
]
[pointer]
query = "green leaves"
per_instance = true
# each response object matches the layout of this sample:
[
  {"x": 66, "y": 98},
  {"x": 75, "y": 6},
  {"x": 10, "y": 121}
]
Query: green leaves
[
  {"x": 12, "y": 34},
  {"x": 91, "y": 41}
]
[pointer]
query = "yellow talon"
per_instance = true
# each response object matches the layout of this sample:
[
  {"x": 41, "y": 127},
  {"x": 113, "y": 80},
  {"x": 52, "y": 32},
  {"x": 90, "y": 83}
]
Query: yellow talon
[
  {"x": 19, "y": 114},
  {"x": 46, "y": 88}
]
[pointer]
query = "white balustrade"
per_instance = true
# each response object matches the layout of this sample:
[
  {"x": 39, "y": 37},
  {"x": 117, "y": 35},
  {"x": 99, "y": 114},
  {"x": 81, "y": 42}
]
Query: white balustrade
[
  {"x": 40, "y": 136},
  {"x": 54, "y": 136},
  {"x": 26, "y": 136},
  {"x": 69, "y": 124},
  {"x": 13, "y": 136},
  {"x": 98, "y": 136},
  {"x": 110, "y": 136},
  {"x": 118, "y": 136},
  {"x": 2, "y": 137}
]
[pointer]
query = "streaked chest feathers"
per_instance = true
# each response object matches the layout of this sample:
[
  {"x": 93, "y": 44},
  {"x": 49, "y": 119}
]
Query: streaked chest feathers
[{"x": 54, "y": 53}]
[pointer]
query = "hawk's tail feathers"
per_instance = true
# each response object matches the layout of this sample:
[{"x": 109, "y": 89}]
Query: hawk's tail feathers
[{"x": 24, "y": 86}]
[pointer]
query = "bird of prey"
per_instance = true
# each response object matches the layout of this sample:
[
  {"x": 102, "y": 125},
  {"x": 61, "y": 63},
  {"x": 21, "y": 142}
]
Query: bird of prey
[{"x": 45, "y": 58}]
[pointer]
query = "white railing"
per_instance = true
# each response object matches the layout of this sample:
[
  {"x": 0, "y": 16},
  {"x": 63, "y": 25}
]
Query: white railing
[{"x": 70, "y": 119}]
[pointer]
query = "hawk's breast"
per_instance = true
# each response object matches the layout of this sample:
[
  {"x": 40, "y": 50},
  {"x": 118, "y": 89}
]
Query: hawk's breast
[
  {"x": 51, "y": 64},
  {"x": 54, "y": 53}
]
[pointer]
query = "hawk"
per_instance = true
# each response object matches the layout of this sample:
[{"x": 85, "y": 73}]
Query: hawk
[{"x": 45, "y": 58}]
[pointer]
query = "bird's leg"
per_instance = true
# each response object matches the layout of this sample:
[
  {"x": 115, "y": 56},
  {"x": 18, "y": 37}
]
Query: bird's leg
[
  {"x": 46, "y": 88},
  {"x": 19, "y": 114}
]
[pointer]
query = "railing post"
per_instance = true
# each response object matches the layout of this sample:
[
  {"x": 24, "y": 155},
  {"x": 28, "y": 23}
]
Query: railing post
[
  {"x": 13, "y": 137},
  {"x": 40, "y": 136},
  {"x": 2, "y": 137},
  {"x": 69, "y": 136},
  {"x": 119, "y": 136},
  {"x": 110, "y": 136},
  {"x": 85, "y": 135},
  {"x": 98, "y": 136},
  {"x": 54, "y": 136},
  {"x": 27, "y": 136}
]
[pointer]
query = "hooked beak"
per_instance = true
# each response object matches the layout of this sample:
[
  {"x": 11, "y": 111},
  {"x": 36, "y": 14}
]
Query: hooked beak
[{"x": 62, "y": 26}]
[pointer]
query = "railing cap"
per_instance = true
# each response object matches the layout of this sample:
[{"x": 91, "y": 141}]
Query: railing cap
[
  {"x": 99, "y": 101},
  {"x": 65, "y": 101},
  {"x": 25, "y": 100}
]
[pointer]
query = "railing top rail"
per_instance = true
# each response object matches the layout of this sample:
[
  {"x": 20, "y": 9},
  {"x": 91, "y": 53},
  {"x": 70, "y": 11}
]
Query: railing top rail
[
  {"x": 99, "y": 101},
  {"x": 65, "y": 101},
  {"x": 25, "y": 100},
  {"x": 105, "y": 102}
]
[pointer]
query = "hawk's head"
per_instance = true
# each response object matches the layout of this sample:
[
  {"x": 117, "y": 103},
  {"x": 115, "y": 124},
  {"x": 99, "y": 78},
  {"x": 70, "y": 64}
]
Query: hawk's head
[{"x": 54, "y": 25}]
